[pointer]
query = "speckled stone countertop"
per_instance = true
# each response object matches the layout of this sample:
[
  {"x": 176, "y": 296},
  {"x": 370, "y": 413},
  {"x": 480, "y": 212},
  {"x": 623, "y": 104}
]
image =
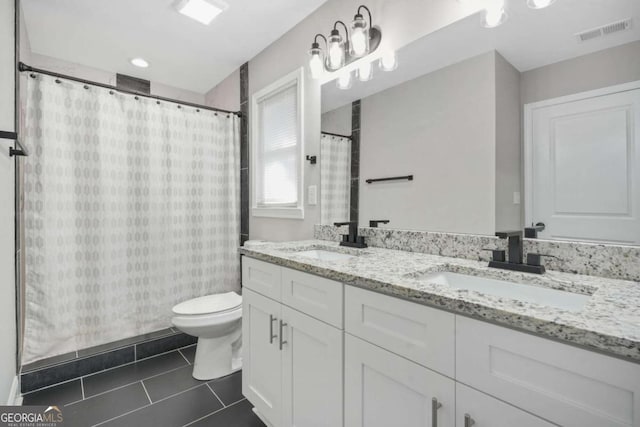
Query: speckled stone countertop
[{"x": 609, "y": 322}]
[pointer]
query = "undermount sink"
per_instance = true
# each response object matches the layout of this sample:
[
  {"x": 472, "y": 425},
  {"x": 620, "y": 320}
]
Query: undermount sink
[
  {"x": 323, "y": 255},
  {"x": 511, "y": 290}
]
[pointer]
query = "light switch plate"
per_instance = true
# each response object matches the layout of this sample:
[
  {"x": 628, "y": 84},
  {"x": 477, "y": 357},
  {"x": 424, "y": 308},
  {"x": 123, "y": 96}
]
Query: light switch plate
[
  {"x": 312, "y": 195},
  {"x": 516, "y": 197}
]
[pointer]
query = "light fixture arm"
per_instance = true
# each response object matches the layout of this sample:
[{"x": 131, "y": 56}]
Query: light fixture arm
[
  {"x": 315, "y": 40},
  {"x": 346, "y": 30},
  {"x": 368, "y": 12}
]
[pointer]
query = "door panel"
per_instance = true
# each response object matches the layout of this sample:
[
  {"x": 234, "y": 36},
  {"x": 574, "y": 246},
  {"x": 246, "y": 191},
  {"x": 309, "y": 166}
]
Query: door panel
[
  {"x": 262, "y": 366},
  {"x": 383, "y": 389},
  {"x": 312, "y": 372},
  {"x": 585, "y": 169}
]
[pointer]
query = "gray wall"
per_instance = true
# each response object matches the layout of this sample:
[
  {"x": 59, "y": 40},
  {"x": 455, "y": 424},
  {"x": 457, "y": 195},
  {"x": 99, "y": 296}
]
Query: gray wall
[
  {"x": 441, "y": 128},
  {"x": 7, "y": 247},
  {"x": 337, "y": 121},
  {"x": 226, "y": 94},
  {"x": 509, "y": 216},
  {"x": 597, "y": 70}
]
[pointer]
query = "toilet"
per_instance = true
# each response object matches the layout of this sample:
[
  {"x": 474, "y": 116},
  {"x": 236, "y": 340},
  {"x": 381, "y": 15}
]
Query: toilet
[{"x": 217, "y": 322}]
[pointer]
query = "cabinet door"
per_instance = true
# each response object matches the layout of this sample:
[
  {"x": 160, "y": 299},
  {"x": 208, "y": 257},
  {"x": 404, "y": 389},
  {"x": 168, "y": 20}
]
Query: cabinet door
[
  {"x": 262, "y": 362},
  {"x": 311, "y": 372},
  {"x": 563, "y": 384},
  {"x": 383, "y": 389},
  {"x": 479, "y": 410},
  {"x": 262, "y": 277}
]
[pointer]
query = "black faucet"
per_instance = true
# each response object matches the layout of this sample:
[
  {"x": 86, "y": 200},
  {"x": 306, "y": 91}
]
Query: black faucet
[
  {"x": 514, "y": 259},
  {"x": 352, "y": 239},
  {"x": 374, "y": 222}
]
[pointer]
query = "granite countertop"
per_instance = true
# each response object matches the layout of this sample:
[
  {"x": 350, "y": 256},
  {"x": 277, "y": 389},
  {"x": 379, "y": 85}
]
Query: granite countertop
[{"x": 609, "y": 322}]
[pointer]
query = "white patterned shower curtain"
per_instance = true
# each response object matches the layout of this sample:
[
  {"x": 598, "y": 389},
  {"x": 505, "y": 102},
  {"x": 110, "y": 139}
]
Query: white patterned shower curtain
[
  {"x": 131, "y": 206},
  {"x": 335, "y": 179}
]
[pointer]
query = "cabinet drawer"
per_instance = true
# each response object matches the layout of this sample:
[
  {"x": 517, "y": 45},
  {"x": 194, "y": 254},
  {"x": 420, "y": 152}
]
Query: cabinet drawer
[
  {"x": 261, "y": 277},
  {"x": 482, "y": 410},
  {"x": 419, "y": 333},
  {"x": 563, "y": 384},
  {"x": 316, "y": 296}
]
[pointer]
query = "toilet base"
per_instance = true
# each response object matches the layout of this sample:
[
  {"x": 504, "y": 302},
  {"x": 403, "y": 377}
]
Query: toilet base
[{"x": 217, "y": 357}]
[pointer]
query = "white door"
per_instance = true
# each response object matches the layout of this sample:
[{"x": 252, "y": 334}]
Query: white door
[
  {"x": 383, "y": 389},
  {"x": 583, "y": 160},
  {"x": 262, "y": 361},
  {"x": 480, "y": 410},
  {"x": 311, "y": 372}
]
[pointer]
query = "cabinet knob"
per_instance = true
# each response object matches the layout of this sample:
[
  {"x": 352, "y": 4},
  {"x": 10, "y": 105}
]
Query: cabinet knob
[
  {"x": 272, "y": 319},
  {"x": 435, "y": 405},
  {"x": 468, "y": 421}
]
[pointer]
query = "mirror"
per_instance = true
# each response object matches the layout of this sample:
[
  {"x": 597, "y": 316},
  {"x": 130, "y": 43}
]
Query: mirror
[{"x": 534, "y": 121}]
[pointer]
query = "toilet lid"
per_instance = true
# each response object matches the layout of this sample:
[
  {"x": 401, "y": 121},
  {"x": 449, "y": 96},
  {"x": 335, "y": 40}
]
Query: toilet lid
[{"x": 209, "y": 304}]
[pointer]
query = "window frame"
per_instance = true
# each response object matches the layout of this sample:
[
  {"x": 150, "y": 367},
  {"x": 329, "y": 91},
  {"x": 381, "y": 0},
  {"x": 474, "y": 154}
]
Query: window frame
[{"x": 295, "y": 78}]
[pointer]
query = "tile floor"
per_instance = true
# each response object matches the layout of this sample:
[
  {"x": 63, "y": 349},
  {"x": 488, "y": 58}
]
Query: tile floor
[{"x": 158, "y": 391}]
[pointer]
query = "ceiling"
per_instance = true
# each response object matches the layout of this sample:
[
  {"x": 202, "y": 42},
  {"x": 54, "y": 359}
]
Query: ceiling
[
  {"x": 183, "y": 53},
  {"x": 529, "y": 39}
]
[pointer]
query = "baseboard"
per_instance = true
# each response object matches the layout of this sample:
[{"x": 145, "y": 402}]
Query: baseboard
[{"x": 15, "y": 398}]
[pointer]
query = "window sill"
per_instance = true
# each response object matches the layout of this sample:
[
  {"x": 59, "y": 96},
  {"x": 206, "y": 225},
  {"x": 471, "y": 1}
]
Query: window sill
[{"x": 286, "y": 213}]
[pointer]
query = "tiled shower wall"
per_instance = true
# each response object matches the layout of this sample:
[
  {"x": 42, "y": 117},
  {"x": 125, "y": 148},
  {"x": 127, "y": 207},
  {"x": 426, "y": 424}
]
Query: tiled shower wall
[{"x": 244, "y": 153}]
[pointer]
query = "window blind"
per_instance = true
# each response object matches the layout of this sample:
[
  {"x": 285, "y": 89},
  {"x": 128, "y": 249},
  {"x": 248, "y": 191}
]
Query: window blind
[{"x": 277, "y": 166}]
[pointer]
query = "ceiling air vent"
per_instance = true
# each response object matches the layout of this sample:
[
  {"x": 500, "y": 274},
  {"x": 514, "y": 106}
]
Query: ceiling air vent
[{"x": 605, "y": 30}]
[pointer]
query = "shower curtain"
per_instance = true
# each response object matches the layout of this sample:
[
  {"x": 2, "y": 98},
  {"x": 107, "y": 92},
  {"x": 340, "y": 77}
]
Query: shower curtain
[
  {"x": 131, "y": 206},
  {"x": 335, "y": 179}
]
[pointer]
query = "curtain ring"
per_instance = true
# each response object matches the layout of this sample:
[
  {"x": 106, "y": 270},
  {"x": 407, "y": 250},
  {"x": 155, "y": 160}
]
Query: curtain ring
[
  {"x": 158, "y": 102},
  {"x": 111, "y": 92},
  {"x": 58, "y": 81},
  {"x": 215, "y": 114},
  {"x": 197, "y": 110},
  {"x": 136, "y": 98},
  {"x": 32, "y": 75},
  {"x": 86, "y": 86}
]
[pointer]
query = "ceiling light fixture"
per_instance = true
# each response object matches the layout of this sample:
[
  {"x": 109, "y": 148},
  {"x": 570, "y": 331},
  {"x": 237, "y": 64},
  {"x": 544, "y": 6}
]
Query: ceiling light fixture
[
  {"x": 539, "y": 4},
  {"x": 139, "y": 62},
  {"x": 203, "y": 11},
  {"x": 343, "y": 49}
]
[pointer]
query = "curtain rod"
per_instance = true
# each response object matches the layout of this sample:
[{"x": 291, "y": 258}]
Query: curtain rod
[
  {"x": 22, "y": 67},
  {"x": 336, "y": 134}
]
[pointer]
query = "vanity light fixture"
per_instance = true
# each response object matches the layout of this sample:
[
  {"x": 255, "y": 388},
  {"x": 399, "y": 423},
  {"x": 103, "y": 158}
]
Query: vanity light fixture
[
  {"x": 343, "y": 49},
  {"x": 389, "y": 61},
  {"x": 494, "y": 13},
  {"x": 203, "y": 11}
]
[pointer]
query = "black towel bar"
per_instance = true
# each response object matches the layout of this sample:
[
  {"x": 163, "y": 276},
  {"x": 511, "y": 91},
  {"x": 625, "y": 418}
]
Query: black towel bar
[{"x": 393, "y": 178}]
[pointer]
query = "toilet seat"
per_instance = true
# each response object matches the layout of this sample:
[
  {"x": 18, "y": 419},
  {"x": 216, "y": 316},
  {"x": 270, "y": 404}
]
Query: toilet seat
[{"x": 209, "y": 304}]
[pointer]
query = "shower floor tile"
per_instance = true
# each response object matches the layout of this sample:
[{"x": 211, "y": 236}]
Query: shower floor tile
[{"x": 154, "y": 392}]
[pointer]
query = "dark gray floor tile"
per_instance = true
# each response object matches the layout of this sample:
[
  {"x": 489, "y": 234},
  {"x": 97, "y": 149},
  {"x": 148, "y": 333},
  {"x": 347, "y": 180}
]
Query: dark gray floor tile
[
  {"x": 162, "y": 345},
  {"x": 117, "y": 377},
  {"x": 105, "y": 406},
  {"x": 238, "y": 415},
  {"x": 74, "y": 369},
  {"x": 189, "y": 353},
  {"x": 172, "y": 412},
  {"x": 49, "y": 361},
  {"x": 171, "y": 383},
  {"x": 229, "y": 388},
  {"x": 55, "y": 395}
]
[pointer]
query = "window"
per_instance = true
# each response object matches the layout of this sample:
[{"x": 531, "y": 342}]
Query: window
[{"x": 277, "y": 148}]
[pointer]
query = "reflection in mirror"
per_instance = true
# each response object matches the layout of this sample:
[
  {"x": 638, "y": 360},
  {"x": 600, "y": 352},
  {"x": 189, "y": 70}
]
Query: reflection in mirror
[
  {"x": 530, "y": 122},
  {"x": 335, "y": 166}
]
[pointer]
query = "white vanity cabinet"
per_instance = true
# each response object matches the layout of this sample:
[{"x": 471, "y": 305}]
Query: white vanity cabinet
[
  {"x": 293, "y": 363},
  {"x": 399, "y": 363}
]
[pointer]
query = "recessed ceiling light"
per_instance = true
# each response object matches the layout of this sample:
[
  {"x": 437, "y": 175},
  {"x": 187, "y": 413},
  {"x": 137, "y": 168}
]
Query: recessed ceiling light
[
  {"x": 203, "y": 11},
  {"x": 139, "y": 62}
]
